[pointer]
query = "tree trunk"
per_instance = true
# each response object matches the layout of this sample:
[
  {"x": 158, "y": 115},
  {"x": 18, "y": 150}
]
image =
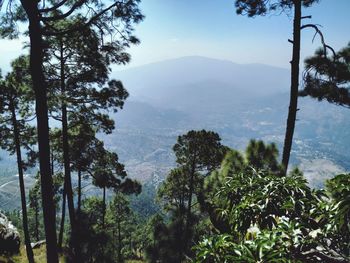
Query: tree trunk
[
  {"x": 79, "y": 204},
  {"x": 120, "y": 258},
  {"x": 29, "y": 250},
  {"x": 52, "y": 164},
  {"x": 104, "y": 207},
  {"x": 39, "y": 85},
  {"x": 189, "y": 207},
  {"x": 63, "y": 218},
  {"x": 66, "y": 157},
  {"x": 293, "y": 104},
  {"x": 37, "y": 224},
  {"x": 79, "y": 193}
]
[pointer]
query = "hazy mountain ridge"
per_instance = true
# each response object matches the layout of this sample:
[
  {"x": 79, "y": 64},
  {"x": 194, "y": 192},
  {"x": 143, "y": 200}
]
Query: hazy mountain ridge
[{"x": 157, "y": 82}]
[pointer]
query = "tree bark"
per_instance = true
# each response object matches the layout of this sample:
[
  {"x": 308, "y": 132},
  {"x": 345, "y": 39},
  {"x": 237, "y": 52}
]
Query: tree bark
[
  {"x": 39, "y": 85},
  {"x": 293, "y": 104},
  {"x": 52, "y": 164},
  {"x": 120, "y": 257},
  {"x": 104, "y": 207},
  {"x": 63, "y": 218},
  {"x": 79, "y": 193},
  {"x": 191, "y": 190},
  {"x": 37, "y": 237},
  {"x": 189, "y": 208},
  {"x": 66, "y": 157},
  {"x": 29, "y": 249}
]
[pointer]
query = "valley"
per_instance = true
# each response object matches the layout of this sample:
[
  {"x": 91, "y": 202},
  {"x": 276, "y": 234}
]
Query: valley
[{"x": 157, "y": 112}]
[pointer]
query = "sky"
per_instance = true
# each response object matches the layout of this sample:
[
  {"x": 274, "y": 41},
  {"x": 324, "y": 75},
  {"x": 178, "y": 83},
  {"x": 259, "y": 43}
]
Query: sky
[{"x": 211, "y": 28}]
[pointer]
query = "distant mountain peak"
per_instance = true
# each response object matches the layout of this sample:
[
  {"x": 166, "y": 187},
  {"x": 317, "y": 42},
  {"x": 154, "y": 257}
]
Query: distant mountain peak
[
  {"x": 162, "y": 81},
  {"x": 199, "y": 59},
  {"x": 176, "y": 60}
]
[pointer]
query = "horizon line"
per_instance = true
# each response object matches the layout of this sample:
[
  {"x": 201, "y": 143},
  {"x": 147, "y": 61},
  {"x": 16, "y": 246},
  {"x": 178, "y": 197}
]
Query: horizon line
[{"x": 119, "y": 68}]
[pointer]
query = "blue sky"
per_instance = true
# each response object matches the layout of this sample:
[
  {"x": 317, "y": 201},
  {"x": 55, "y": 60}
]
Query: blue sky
[{"x": 176, "y": 28}]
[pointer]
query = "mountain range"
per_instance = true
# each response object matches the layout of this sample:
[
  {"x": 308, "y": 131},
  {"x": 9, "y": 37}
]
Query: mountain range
[{"x": 240, "y": 102}]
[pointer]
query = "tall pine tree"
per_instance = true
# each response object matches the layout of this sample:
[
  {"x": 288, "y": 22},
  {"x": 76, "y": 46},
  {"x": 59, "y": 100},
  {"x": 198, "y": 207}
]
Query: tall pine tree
[
  {"x": 262, "y": 7},
  {"x": 16, "y": 134},
  {"x": 42, "y": 20}
]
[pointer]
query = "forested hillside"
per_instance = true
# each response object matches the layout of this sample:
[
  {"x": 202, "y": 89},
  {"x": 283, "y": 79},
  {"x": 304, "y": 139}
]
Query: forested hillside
[{"x": 183, "y": 155}]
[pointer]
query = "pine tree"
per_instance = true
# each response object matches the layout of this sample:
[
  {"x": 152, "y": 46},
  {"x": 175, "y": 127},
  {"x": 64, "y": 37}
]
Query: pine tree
[
  {"x": 16, "y": 134},
  {"x": 197, "y": 153},
  {"x": 107, "y": 172},
  {"x": 43, "y": 21},
  {"x": 120, "y": 213},
  {"x": 328, "y": 77},
  {"x": 35, "y": 207},
  {"x": 81, "y": 92},
  {"x": 262, "y": 7}
]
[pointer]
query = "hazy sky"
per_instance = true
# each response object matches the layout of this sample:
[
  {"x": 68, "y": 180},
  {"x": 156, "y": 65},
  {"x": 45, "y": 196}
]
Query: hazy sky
[{"x": 175, "y": 28}]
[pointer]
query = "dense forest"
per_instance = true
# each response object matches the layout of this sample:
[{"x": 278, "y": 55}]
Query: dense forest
[{"x": 216, "y": 204}]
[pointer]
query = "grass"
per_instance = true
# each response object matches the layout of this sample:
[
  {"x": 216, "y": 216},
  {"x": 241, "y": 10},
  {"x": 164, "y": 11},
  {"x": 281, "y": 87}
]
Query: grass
[{"x": 39, "y": 255}]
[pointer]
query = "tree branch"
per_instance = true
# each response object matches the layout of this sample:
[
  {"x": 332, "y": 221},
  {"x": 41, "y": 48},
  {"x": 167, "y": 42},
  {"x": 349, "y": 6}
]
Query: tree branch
[
  {"x": 65, "y": 15},
  {"x": 53, "y": 8},
  {"x": 318, "y": 31},
  {"x": 80, "y": 27},
  {"x": 304, "y": 17}
]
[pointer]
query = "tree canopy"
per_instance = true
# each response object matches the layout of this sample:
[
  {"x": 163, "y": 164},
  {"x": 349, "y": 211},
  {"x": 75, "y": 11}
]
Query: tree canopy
[{"x": 327, "y": 77}]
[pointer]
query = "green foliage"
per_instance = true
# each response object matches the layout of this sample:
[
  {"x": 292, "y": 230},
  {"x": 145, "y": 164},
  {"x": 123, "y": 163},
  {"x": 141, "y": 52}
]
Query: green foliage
[
  {"x": 144, "y": 204},
  {"x": 15, "y": 217},
  {"x": 125, "y": 15},
  {"x": 17, "y": 108},
  {"x": 278, "y": 219},
  {"x": 275, "y": 245},
  {"x": 86, "y": 24},
  {"x": 120, "y": 220},
  {"x": 35, "y": 217},
  {"x": 337, "y": 223},
  {"x": 87, "y": 93},
  {"x": 235, "y": 165},
  {"x": 34, "y": 212},
  {"x": 114, "y": 241},
  {"x": 199, "y": 150},
  {"x": 197, "y": 154},
  {"x": 174, "y": 191},
  {"x": 328, "y": 77},
  {"x": 167, "y": 241},
  {"x": 260, "y": 198},
  {"x": 262, "y": 156},
  {"x": 93, "y": 240},
  {"x": 254, "y": 8}
]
